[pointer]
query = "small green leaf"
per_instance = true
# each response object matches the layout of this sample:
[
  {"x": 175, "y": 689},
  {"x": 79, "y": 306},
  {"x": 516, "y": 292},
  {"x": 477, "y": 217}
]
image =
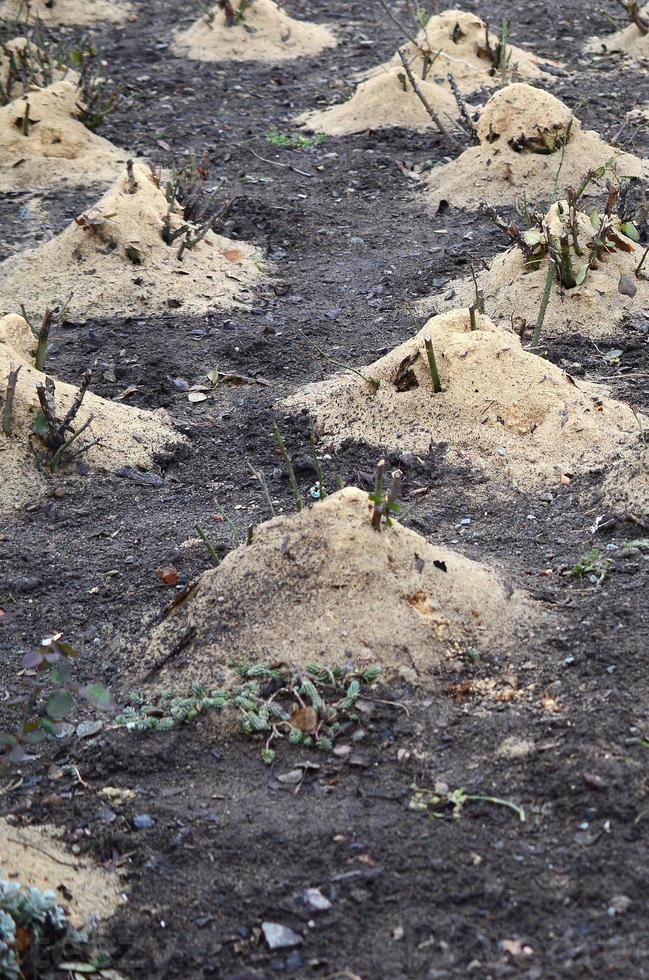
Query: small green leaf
[
  {"x": 40, "y": 424},
  {"x": 60, "y": 704},
  {"x": 581, "y": 274},
  {"x": 98, "y": 696},
  {"x": 630, "y": 230}
]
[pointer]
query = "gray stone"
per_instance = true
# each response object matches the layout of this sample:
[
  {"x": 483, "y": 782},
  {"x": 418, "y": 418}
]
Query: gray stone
[{"x": 278, "y": 936}]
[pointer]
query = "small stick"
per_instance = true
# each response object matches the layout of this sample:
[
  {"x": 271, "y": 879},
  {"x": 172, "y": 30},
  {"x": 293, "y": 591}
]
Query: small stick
[
  {"x": 395, "y": 490},
  {"x": 432, "y": 364},
  {"x": 469, "y": 125},
  {"x": 404, "y": 30},
  {"x": 131, "y": 186},
  {"x": 638, "y": 268},
  {"x": 26, "y": 120},
  {"x": 503, "y": 51},
  {"x": 76, "y": 404},
  {"x": 422, "y": 98},
  {"x": 472, "y": 320},
  {"x": 214, "y": 558},
  {"x": 297, "y": 496},
  {"x": 545, "y": 299},
  {"x": 43, "y": 337},
  {"x": 8, "y": 409},
  {"x": 60, "y": 452},
  {"x": 377, "y": 496}
]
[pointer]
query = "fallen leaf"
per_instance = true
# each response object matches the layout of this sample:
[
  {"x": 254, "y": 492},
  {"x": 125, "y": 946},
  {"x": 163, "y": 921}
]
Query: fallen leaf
[
  {"x": 233, "y": 254},
  {"x": 305, "y": 719},
  {"x": 168, "y": 574}
]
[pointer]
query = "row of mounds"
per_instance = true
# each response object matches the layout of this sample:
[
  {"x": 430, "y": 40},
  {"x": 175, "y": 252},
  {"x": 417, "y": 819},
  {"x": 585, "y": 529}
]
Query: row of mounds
[
  {"x": 326, "y": 585},
  {"x": 251, "y": 30},
  {"x": 592, "y": 291},
  {"x": 101, "y": 436},
  {"x": 503, "y": 410},
  {"x": 529, "y": 144},
  {"x": 64, "y": 13},
  {"x": 136, "y": 252},
  {"x": 452, "y": 42}
]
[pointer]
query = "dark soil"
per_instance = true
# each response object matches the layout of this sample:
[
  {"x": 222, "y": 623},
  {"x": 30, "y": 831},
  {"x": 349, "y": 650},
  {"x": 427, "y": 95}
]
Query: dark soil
[{"x": 350, "y": 250}]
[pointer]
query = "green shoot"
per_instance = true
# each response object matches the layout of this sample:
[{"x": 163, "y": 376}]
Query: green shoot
[
  {"x": 332, "y": 360},
  {"x": 297, "y": 496},
  {"x": 322, "y": 493},
  {"x": 209, "y": 547},
  {"x": 594, "y": 566},
  {"x": 545, "y": 299},
  {"x": 434, "y": 803}
]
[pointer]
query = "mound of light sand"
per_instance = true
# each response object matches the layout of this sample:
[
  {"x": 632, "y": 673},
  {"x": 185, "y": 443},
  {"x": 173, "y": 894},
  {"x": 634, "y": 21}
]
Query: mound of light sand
[
  {"x": 58, "y": 148},
  {"x": 37, "y": 858},
  {"x": 124, "y": 267},
  {"x": 512, "y": 293},
  {"x": 457, "y": 42},
  {"x": 381, "y": 103},
  {"x": 626, "y": 487},
  {"x": 16, "y": 50},
  {"x": 503, "y": 168},
  {"x": 265, "y": 33},
  {"x": 64, "y": 12},
  {"x": 324, "y": 586},
  {"x": 129, "y": 437},
  {"x": 510, "y": 413},
  {"x": 629, "y": 41}
]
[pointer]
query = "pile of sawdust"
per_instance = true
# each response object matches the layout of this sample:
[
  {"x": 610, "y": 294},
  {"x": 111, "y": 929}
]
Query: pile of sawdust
[
  {"x": 503, "y": 168},
  {"x": 629, "y": 40},
  {"x": 324, "y": 586},
  {"x": 505, "y": 411},
  {"x": 512, "y": 293},
  {"x": 21, "y": 49},
  {"x": 382, "y": 102},
  {"x": 456, "y": 42},
  {"x": 63, "y": 12},
  {"x": 36, "y": 857},
  {"x": 58, "y": 148},
  {"x": 264, "y": 33},
  {"x": 129, "y": 437},
  {"x": 122, "y": 266},
  {"x": 626, "y": 487}
]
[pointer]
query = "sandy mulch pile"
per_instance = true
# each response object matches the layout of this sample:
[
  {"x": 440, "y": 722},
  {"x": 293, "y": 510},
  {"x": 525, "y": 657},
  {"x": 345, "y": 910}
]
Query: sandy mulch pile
[
  {"x": 58, "y": 148},
  {"x": 36, "y": 857},
  {"x": 381, "y": 103},
  {"x": 324, "y": 586},
  {"x": 124, "y": 267},
  {"x": 626, "y": 487},
  {"x": 64, "y": 12},
  {"x": 457, "y": 41},
  {"x": 129, "y": 437},
  {"x": 595, "y": 308},
  {"x": 505, "y": 411},
  {"x": 503, "y": 168},
  {"x": 629, "y": 40},
  {"x": 264, "y": 33}
]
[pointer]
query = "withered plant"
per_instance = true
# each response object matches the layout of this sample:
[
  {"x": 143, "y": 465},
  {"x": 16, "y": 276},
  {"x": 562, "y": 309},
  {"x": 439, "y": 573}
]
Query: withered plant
[
  {"x": 187, "y": 193},
  {"x": 57, "y": 435}
]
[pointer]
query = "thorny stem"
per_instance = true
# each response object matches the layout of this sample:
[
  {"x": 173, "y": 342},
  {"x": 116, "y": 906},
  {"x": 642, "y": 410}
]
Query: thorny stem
[
  {"x": 545, "y": 299},
  {"x": 43, "y": 337},
  {"x": 62, "y": 450},
  {"x": 316, "y": 462},
  {"x": 260, "y": 477},
  {"x": 468, "y": 123},
  {"x": 131, "y": 186},
  {"x": 424, "y": 101},
  {"x": 432, "y": 364},
  {"x": 297, "y": 496},
  {"x": 26, "y": 119},
  {"x": 504, "y": 60},
  {"x": 472, "y": 319},
  {"x": 8, "y": 408}
]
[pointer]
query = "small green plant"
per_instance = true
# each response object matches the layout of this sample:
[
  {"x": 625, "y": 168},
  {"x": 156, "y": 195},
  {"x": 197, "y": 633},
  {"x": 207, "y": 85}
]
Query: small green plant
[
  {"x": 386, "y": 503},
  {"x": 51, "y": 697},
  {"x": 311, "y": 707},
  {"x": 295, "y": 488},
  {"x": 209, "y": 547},
  {"x": 188, "y": 196},
  {"x": 437, "y": 804},
  {"x": 59, "y": 435},
  {"x": 98, "y": 97},
  {"x": 594, "y": 566},
  {"x": 432, "y": 363},
  {"x": 234, "y": 15},
  {"x": 293, "y": 141},
  {"x": 29, "y": 920}
]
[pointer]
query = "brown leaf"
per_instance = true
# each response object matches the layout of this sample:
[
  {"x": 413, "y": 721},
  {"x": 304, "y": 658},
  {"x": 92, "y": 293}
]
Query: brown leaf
[
  {"x": 168, "y": 574},
  {"x": 305, "y": 719}
]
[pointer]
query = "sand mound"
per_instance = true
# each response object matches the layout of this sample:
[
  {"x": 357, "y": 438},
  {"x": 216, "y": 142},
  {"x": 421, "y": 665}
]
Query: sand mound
[
  {"x": 264, "y": 33},
  {"x": 62, "y": 12},
  {"x": 58, "y": 148},
  {"x": 629, "y": 40},
  {"x": 34, "y": 856},
  {"x": 626, "y": 487},
  {"x": 457, "y": 43},
  {"x": 324, "y": 586},
  {"x": 510, "y": 413},
  {"x": 119, "y": 264},
  {"x": 512, "y": 291},
  {"x": 524, "y": 151},
  {"x": 381, "y": 103},
  {"x": 129, "y": 437}
]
